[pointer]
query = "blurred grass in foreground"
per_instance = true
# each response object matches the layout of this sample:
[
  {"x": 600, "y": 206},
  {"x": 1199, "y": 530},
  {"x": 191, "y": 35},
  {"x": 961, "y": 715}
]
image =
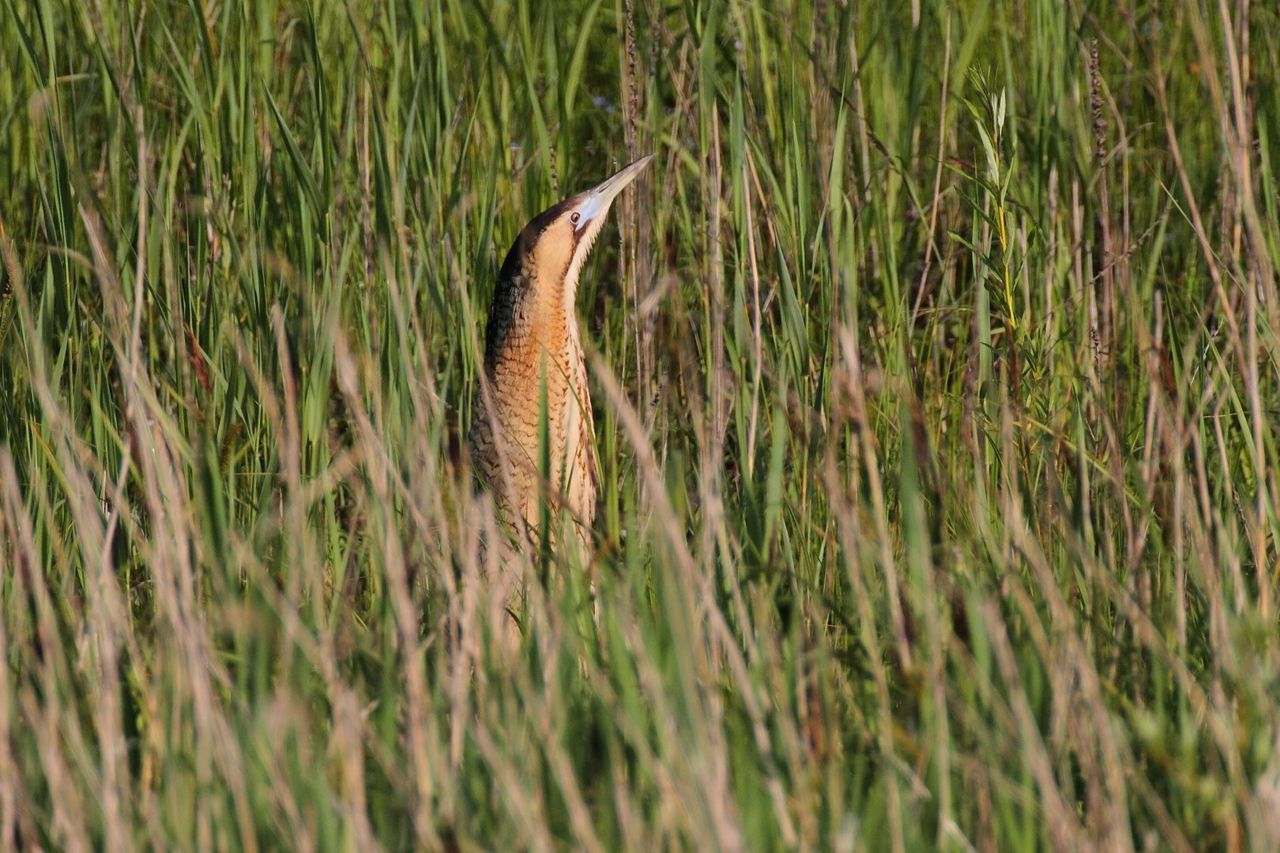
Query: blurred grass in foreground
[{"x": 936, "y": 374}]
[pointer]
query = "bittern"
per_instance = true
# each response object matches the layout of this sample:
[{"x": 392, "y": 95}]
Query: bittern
[{"x": 532, "y": 431}]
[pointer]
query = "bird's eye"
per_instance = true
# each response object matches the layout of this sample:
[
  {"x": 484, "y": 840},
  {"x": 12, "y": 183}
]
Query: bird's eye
[{"x": 575, "y": 217}]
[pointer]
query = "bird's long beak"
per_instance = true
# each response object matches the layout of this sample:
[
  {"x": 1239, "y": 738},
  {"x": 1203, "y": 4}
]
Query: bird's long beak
[{"x": 599, "y": 199}]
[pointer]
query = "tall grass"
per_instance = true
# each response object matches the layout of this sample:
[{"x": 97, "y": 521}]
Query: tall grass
[{"x": 935, "y": 368}]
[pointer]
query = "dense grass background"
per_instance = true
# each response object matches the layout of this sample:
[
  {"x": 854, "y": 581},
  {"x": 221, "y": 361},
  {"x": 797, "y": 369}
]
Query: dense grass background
[{"x": 935, "y": 367}]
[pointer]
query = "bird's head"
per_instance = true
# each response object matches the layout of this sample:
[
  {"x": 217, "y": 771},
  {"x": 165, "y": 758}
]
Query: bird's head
[{"x": 553, "y": 247}]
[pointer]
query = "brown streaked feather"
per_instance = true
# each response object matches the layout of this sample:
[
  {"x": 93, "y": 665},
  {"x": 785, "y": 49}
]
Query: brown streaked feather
[
  {"x": 533, "y": 354},
  {"x": 531, "y": 339}
]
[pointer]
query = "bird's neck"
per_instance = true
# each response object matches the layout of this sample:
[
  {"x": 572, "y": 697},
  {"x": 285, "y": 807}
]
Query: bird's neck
[
  {"x": 558, "y": 318},
  {"x": 568, "y": 305},
  {"x": 553, "y": 329}
]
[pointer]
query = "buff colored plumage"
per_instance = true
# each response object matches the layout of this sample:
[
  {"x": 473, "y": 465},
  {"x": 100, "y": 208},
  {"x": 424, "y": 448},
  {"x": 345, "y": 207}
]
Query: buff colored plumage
[{"x": 533, "y": 353}]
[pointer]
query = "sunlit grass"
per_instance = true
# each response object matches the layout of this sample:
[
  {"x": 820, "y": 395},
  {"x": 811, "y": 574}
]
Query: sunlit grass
[{"x": 934, "y": 367}]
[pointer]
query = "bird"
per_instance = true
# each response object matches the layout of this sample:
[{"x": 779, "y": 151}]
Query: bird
[{"x": 534, "y": 364}]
